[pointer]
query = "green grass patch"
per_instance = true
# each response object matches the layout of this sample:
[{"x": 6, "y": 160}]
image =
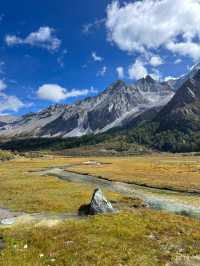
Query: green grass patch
[{"x": 140, "y": 238}]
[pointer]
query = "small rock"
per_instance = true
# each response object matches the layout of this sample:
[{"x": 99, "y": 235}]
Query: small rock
[{"x": 99, "y": 204}]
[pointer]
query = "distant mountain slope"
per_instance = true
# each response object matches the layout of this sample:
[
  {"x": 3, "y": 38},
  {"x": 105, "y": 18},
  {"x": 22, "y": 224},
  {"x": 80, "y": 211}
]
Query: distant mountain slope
[
  {"x": 183, "y": 111},
  {"x": 176, "y": 83},
  {"x": 8, "y": 119},
  {"x": 114, "y": 107},
  {"x": 177, "y": 126}
]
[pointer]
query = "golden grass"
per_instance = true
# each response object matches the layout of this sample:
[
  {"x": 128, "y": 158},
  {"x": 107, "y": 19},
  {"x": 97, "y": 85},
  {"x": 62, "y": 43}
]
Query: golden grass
[
  {"x": 176, "y": 172},
  {"x": 140, "y": 238},
  {"x": 22, "y": 190}
]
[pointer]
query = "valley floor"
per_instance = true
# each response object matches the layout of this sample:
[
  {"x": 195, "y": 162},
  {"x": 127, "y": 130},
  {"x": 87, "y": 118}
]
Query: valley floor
[{"x": 134, "y": 236}]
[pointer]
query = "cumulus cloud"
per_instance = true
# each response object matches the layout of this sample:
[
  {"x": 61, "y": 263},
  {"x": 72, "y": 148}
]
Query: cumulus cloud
[
  {"x": 137, "y": 70},
  {"x": 56, "y": 93},
  {"x": 96, "y": 58},
  {"x": 150, "y": 24},
  {"x": 120, "y": 72},
  {"x": 185, "y": 48},
  {"x": 7, "y": 102},
  {"x": 156, "y": 61},
  {"x": 44, "y": 37},
  {"x": 10, "y": 103}
]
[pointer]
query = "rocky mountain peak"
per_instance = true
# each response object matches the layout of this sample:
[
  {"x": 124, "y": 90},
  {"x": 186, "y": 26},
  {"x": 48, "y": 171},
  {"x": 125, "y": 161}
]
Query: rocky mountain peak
[
  {"x": 177, "y": 83},
  {"x": 195, "y": 67},
  {"x": 117, "y": 86},
  {"x": 114, "y": 107},
  {"x": 149, "y": 79}
]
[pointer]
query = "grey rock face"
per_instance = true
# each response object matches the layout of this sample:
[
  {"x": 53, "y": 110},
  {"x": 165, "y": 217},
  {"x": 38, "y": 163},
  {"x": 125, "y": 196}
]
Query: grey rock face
[
  {"x": 98, "y": 205},
  {"x": 183, "y": 111},
  {"x": 177, "y": 83},
  {"x": 112, "y": 108}
]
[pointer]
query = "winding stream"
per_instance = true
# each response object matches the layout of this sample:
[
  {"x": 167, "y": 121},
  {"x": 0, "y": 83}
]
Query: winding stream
[
  {"x": 160, "y": 199},
  {"x": 156, "y": 198}
]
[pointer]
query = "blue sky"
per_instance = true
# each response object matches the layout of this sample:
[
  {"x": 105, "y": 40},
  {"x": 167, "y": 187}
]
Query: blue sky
[{"x": 62, "y": 51}]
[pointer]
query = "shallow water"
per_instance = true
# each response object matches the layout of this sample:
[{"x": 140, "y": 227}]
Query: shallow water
[
  {"x": 11, "y": 218},
  {"x": 156, "y": 198}
]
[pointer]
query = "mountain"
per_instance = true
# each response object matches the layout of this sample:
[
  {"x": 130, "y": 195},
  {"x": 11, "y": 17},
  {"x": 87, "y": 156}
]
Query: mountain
[
  {"x": 183, "y": 111},
  {"x": 115, "y": 107},
  {"x": 8, "y": 119},
  {"x": 147, "y": 114},
  {"x": 176, "y": 83},
  {"x": 176, "y": 127}
]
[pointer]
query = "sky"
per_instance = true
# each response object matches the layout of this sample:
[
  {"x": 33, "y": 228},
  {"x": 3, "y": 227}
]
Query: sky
[{"x": 65, "y": 50}]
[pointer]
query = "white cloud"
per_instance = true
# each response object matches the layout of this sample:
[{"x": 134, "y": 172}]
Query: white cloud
[
  {"x": 7, "y": 102},
  {"x": 120, "y": 72},
  {"x": 44, "y": 38},
  {"x": 137, "y": 70},
  {"x": 56, "y": 93},
  {"x": 102, "y": 72},
  {"x": 10, "y": 103},
  {"x": 151, "y": 24},
  {"x": 187, "y": 48},
  {"x": 156, "y": 60},
  {"x": 96, "y": 57},
  {"x": 170, "y": 78}
]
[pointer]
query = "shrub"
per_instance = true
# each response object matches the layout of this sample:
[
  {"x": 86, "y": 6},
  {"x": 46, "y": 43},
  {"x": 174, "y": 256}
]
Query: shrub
[{"x": 6, "y": 155}]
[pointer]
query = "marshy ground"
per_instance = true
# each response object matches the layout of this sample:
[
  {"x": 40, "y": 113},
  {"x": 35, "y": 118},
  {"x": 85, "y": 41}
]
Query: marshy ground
[{"x": 134, "y": 236}]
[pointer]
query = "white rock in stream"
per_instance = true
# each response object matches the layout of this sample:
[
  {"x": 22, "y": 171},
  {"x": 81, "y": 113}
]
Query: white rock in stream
[{"x": 99, "y": 204}]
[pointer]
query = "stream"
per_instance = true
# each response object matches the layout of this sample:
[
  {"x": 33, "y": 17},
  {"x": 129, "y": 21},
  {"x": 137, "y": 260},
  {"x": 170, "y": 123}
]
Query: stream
[{"x": 158, "y": 199}]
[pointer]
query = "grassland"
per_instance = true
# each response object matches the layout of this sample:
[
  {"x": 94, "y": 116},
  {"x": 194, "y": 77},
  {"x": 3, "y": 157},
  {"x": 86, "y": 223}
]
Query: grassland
[
  {"x": 139, "y": 237},
  {"x": 23, "y": 190},
  {"x": 162, "y": 171}
]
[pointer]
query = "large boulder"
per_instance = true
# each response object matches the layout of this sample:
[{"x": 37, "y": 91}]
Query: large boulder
[{"x": 99, "y": 204}]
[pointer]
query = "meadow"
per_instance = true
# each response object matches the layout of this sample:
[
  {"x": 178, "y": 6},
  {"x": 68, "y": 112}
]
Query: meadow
[
  {"x": 176, "y": 172},
  {"x": 134, "y": 236}
]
